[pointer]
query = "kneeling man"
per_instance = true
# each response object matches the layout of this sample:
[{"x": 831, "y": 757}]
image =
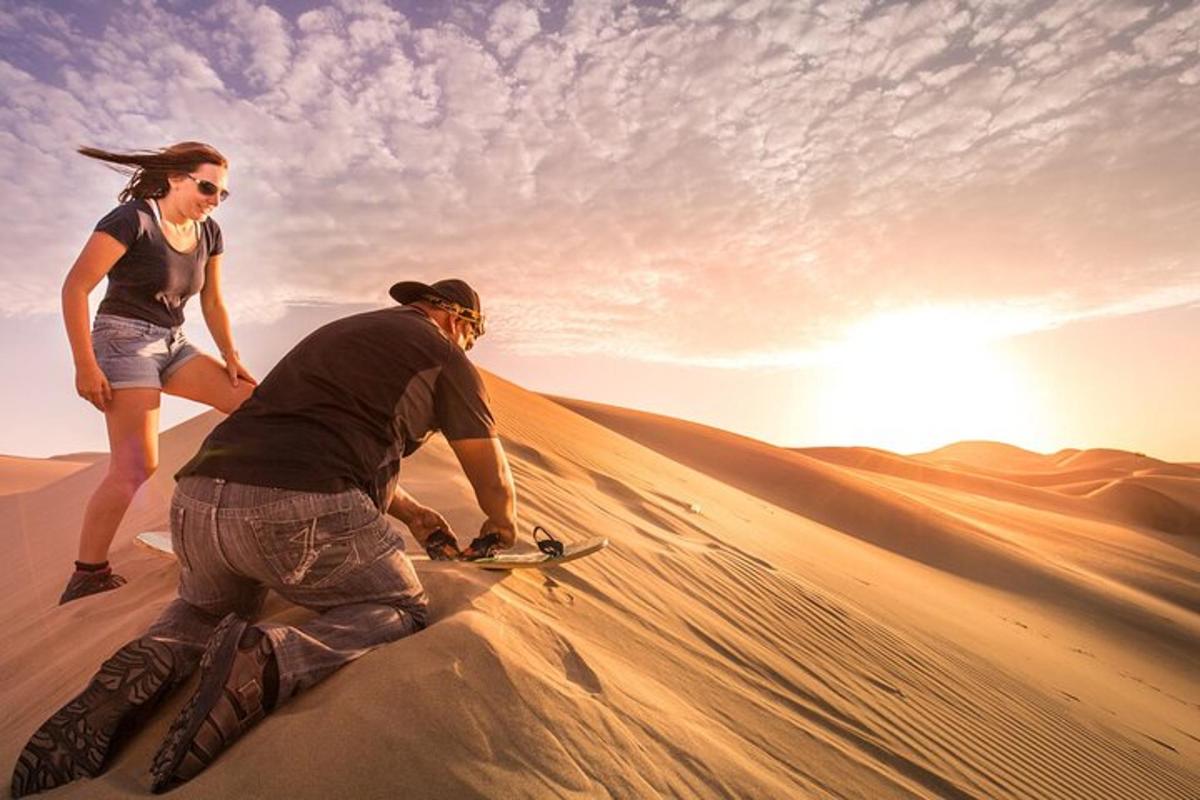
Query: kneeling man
[{"x": 290, "y": 493}]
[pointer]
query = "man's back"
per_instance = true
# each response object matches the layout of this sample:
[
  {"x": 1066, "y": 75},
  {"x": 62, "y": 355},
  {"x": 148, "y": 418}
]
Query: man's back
[{"x": 346, "y": 404}]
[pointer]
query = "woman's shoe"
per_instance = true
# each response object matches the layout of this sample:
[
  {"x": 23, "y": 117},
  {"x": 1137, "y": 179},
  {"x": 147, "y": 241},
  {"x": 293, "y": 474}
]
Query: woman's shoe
[{"x": 83, "y": 583}]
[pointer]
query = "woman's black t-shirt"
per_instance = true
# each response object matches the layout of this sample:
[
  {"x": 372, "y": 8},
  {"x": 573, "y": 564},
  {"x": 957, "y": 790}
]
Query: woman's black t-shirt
[{"x": 152, "y": 281}]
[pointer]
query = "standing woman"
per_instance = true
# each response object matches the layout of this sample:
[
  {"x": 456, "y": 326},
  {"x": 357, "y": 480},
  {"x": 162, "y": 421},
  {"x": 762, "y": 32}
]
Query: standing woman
[{"x": 158, "y": 248}]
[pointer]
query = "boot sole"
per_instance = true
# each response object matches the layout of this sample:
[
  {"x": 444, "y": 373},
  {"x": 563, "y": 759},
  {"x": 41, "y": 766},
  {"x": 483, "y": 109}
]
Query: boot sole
[
  {"x": 80, "y": 739},
  {"x": 177, "y": 745}
]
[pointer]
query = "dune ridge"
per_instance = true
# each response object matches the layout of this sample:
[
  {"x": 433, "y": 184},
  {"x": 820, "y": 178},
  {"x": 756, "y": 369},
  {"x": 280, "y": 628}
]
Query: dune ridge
[
  {"x": 18, "y": 474},
  {"x": 765, "y": 623}
]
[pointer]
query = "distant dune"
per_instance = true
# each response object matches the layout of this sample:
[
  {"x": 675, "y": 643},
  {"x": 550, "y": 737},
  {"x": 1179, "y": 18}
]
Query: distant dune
[
  {"x": 834, "y": 622},
  {"x": 84, "y": 457},
  {"x": 19, "y": 474},
  {"x": 991, "y": 455}
]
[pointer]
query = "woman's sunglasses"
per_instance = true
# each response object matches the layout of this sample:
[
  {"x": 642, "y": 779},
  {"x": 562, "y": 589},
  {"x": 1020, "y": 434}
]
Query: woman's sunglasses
[{"x": 208, "y": 188}]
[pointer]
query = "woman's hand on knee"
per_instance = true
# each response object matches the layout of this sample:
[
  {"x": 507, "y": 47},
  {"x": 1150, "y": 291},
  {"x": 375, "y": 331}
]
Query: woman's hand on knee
[
  {"x": 93, "y": 386},
  {"x": 237, "y": 371}
]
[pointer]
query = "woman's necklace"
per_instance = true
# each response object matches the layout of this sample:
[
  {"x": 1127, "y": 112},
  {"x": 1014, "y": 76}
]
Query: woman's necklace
[{"x": 182, "y": 230}]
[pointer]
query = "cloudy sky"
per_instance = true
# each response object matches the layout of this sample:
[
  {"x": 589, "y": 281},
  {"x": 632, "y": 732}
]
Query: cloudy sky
[{"x": 817, "y": 223}]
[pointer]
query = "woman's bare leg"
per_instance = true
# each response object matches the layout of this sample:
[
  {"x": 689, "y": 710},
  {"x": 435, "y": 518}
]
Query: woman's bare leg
[
  {"x": 132, "y": 420},
  {"x": 205, "y": 380}
]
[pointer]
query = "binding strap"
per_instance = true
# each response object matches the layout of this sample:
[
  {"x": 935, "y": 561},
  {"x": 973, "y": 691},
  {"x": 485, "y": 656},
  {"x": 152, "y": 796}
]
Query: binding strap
[
  {"x": 441, "y": 546},
  {"x": 482, "y": 546},
  {"x": 550, "y": 546}
]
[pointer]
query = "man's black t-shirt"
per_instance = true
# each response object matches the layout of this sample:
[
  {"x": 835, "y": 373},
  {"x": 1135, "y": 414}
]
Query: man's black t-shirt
[
  {"x": 152, "y": 280},
  {"x": 346, "y": 404}
]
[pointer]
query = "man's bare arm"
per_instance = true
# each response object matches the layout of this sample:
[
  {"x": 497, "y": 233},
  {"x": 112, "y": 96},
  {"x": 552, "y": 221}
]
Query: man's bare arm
[
  {"x": 486, "y": 467},
  {"x": 420, "y": 519}
]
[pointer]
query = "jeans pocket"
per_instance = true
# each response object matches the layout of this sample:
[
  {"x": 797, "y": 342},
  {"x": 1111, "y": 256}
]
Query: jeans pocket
[{"x": 318, "y": 551}]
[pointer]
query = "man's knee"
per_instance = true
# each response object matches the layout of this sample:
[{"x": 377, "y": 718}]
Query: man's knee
[
  {"x": 401, "y": 617},
  {"x": 417, "y": 609}
]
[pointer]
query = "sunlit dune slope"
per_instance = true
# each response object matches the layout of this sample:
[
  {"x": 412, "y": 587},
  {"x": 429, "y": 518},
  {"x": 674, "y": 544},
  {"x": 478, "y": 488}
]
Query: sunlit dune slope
[
  {"x": 919, "y": 510},
  {"x": 1057, "y": 469},
  {"x": 1135, "y": 490},
  {"x": 1131, "y": 487},
  {"x": 810, "y": 630},
  {"x": 19, "y": 474},
  {"x": 42, "y": 525}
]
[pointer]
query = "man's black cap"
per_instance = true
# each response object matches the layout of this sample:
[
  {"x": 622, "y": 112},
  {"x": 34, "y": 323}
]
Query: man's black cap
[{"x": 451, "y": 289}]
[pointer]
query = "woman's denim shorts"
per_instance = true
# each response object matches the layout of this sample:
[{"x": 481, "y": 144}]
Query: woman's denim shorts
[{"x": 134, "y": 353}]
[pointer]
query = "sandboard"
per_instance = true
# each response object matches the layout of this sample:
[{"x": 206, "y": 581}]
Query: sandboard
[
  {"x": 160, "y": 542},
  {"x": 535, "y": 560}
]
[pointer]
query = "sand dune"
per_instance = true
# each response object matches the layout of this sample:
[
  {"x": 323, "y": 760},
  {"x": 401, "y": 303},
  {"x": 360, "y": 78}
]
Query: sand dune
[
  {"x": 1166, "y": 502},
  {"x": 766, "y": 623},
  {"x": 975, "y": 479},
  {"x": 24, "y": 474},
  {"x": 991, "y": 456},
  {"x": 1127, "y": 487},
  {"x": 1117, "y": 459},
  {"x": 42, "y": 525}
]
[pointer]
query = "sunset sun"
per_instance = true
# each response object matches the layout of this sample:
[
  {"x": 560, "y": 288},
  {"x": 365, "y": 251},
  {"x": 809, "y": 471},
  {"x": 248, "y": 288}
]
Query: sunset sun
[{"x": 921, "y": 378}]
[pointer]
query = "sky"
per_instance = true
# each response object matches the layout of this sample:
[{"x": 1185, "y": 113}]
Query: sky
[{"x": 816, "y": 223}]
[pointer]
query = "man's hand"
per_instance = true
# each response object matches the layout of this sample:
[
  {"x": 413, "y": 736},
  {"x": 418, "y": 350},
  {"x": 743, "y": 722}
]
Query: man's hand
[
  {"x": 442, "y": 546},
  {"x": 422, "y": 521},
  {"x": 506, "y": 530}
]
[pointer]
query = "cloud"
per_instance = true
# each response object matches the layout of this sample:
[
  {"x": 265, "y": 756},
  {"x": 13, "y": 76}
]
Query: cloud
[
  {"x": 255, "y": 40},
  {"x": 512, "y": 25},
  {"x": 701, "y": 182}
]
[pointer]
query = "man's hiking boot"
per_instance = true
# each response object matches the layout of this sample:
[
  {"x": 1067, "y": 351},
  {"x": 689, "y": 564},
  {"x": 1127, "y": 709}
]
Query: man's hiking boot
[
  {"x": 238, "y": 684},
  {"x": 81, "y": 738},
  {"x": 83, "y": 583}
]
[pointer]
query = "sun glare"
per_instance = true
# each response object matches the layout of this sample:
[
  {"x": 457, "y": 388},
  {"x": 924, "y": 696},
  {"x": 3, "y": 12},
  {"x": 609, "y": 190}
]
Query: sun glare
[{"x": 923, "y": 378}]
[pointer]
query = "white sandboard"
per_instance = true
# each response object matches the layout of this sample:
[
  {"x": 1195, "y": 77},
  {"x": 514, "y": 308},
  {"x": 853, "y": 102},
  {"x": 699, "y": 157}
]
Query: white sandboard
[
  {"x": 535, "y": 560},
  {"x": 160, "y": 542}
]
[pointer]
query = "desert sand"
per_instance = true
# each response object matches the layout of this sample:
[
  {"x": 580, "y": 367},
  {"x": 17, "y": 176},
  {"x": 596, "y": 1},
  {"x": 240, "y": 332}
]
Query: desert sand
[
  {"x": 19, "y": 474},
  {"x": 979, "y": 621}
]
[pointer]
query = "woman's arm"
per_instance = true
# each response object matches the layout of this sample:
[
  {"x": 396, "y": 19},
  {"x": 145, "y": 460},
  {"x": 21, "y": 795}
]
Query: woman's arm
[
  {"x": 217, "y": 319},
  {"x": 98, "y": 256}
]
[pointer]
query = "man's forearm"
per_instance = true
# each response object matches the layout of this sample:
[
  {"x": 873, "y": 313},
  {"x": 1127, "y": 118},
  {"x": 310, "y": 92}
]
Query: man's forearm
[
  {"x": 499, "y": 502},
  {"x": 486, "y": 467},
  {"x": 403, "y": 505}
]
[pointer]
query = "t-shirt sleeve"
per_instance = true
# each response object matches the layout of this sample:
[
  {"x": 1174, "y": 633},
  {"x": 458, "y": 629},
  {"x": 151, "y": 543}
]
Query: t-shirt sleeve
[
  {"x": 122, "y": 223},
  {"x": 461, "y": 403},
  {"x": 215, "y": 237}
]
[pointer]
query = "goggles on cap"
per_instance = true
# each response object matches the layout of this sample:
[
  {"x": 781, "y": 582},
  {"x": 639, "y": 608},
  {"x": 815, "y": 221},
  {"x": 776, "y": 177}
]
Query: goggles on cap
[{"x": 476, "y": 319}]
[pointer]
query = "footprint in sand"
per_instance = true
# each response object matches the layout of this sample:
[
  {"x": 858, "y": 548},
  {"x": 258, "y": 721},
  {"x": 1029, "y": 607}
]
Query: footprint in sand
[{"x": 578, "y": 671}]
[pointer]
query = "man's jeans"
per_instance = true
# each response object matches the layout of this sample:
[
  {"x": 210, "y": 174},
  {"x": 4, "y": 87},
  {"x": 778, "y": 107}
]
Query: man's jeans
[{"x": 333, "y": 553}]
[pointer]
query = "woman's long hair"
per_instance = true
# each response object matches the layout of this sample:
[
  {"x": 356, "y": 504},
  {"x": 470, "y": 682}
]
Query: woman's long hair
[{"x": 148, "y": 170}]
